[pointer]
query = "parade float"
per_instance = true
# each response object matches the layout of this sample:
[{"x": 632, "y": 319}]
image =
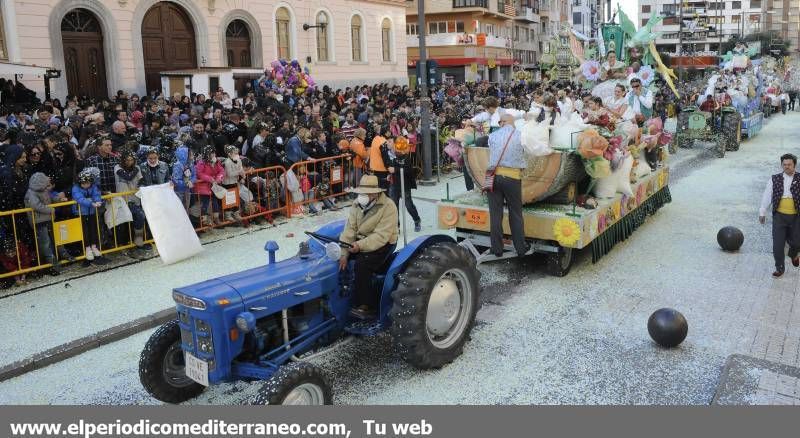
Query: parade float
[{"x": 585, "y": 184}]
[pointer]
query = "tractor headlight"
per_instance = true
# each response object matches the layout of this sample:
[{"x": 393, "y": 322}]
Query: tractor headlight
[
  {"x": 246, "y": 322},
  {"x": 202, "y": 326},
  {"x": 205, "y": 345}
]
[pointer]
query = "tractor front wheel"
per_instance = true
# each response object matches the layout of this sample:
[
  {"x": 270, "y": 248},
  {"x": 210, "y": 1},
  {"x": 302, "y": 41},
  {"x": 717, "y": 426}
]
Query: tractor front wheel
[
  {"x": 296, "y": 383},
  {"x": 434, "y": 305},
  {"x": 162, "y": 369}
]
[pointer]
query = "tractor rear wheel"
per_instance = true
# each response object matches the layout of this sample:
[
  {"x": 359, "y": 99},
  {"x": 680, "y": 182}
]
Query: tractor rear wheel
[
  {"x": 434, "y": 305},
  {"x": 296, "y": 383},
  {"x": 162, "y": 369}
]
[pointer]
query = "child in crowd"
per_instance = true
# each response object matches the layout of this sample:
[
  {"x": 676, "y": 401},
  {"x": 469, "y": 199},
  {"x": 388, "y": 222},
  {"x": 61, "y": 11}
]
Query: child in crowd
[
  {"x": 323, "y": 192},
  {"x": 15, "y": 258},
  {"x": 307, "y": 189},
  {"x": 209, "y": 171},
  {"x": 234, "y": 172},
  {"x": 184, "y": 175},
  {"x": 38, "y": 198},
  {"x": 86, "y": 194}
]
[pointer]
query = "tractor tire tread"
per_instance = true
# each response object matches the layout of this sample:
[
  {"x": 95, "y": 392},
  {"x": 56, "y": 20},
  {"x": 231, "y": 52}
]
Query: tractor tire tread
[
  {"x": 151, "y": 363},
  {"x": 288, "y": 377},
  {"x": 410, "y": 301}
]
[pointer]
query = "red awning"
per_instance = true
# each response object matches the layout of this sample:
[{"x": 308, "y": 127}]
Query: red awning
[
  {"x": 458, "y": 62},
  {"x": 694, "y": 61}
]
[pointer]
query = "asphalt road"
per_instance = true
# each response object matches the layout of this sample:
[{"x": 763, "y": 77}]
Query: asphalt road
[{"x": 581, "y": 339}]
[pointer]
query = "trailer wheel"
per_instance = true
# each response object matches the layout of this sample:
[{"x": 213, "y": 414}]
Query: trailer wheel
[
  {"x": 434, "y": 305},
  {"x": 296, "y": 383},
  {"x": 559, "y": 263},
  {"x": 162, "y": 370}
]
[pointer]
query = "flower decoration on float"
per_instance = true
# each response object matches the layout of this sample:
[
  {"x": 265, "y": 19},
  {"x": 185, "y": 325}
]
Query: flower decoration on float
[
  {"x": 567, "y": 232},
  {"x": 646, "y": 74},
  {"x": 591, "y": 70},
  {"x": 601, "y": 223},
  {"x": 617, "y": 209}
]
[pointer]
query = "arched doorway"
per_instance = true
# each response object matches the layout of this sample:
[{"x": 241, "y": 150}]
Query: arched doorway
[
  {"x": 167, "y": 42},
  {"x": 84, "y": 61},
  {"x": 237, "y": 39}
]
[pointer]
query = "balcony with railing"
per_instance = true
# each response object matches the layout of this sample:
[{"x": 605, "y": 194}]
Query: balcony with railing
[
  {"x": 526, "y": 14},
  {"x": 470, "y": 4},
  {"x": 455, "y": 39}
]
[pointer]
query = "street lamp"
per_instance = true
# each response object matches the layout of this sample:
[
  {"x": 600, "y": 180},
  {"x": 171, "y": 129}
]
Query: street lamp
[{"x": 425, "y": 116}]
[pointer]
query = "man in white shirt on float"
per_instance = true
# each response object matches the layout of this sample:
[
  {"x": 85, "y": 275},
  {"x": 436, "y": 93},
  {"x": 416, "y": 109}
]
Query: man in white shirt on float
[
  {"x": 640, "y": 99},
  {"x": 783, "y": 193},
  {"x": 493, "y": 113}
]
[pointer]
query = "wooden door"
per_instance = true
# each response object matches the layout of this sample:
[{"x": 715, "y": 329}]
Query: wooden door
[
  {"x": 84, "y": 60},
  {"x": 237, "y": 39},
  {"x": 167, "y": 42}
]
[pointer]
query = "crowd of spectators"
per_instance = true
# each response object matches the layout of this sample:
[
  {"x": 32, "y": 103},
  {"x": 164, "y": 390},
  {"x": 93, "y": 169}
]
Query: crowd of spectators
[{"x": 84, "y": 148}]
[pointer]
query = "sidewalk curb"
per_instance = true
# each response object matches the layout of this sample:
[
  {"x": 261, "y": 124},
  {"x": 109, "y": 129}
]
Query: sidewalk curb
[{"x": 82, "y": 345}]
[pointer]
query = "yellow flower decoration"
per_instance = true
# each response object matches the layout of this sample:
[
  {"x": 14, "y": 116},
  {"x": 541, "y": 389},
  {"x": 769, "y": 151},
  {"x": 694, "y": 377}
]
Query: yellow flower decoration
[
  {"x": 567, "y": 232},
  {"x": 662, "y": 179},
  {"x": 617, "y": 209}
]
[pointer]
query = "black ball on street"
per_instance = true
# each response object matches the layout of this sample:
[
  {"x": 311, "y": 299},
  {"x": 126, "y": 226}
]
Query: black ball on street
[
  {"x": 730, "y": 238},
  {"x": 667, "y": 327}
]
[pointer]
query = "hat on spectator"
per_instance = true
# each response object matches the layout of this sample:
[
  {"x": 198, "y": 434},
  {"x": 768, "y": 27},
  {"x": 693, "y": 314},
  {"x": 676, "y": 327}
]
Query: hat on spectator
[
  {"x": 360, "y": 133},
  {"x": 368, "y": 185}
]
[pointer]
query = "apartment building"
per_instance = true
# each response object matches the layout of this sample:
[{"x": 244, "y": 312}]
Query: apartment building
[
  {"x": 474, "y": 40},
  {"x": 708, "y": 23},
  {"x": 586, "y": 16}
]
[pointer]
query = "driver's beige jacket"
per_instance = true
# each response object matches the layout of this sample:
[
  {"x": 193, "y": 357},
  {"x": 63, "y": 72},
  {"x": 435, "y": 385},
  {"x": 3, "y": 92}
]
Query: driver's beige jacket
[{"x": 371, "y": 230}]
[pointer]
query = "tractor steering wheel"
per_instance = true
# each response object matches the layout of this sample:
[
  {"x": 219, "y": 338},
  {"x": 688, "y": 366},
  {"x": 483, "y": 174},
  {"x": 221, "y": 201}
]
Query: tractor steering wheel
[{"x": 328, "y": 239}]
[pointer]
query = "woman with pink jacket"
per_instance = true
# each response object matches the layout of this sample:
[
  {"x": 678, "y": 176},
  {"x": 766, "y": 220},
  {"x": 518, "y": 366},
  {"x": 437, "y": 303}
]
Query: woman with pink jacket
[{"x": 209, "y": 171}]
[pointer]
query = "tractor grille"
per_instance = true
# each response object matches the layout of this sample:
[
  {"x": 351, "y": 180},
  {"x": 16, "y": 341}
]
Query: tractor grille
[{"x": 187, "y": 339}]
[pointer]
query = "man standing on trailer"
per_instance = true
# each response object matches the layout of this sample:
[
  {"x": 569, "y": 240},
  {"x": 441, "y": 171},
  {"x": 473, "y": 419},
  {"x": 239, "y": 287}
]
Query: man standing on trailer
[{"x": 507, "y": 158}]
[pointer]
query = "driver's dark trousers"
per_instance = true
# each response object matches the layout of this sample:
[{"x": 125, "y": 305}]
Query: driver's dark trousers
[{"x": 366, "y": 265}]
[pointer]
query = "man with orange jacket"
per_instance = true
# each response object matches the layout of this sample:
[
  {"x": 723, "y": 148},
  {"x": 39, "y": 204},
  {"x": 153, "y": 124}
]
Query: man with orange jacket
[
  {"x": 360, "y": 154},
  {"x": 377, "y": 151}
]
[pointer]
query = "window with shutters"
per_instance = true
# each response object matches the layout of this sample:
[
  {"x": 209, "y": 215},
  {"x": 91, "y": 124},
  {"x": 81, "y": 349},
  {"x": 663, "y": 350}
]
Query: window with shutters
[
  {"x": 282, "y": 23},
  {"x": 322, "y": 37},
  {"x": 386, "y": 39},
  {"x": 3, "y": 50},
  {"x": 355, "y": 37}
]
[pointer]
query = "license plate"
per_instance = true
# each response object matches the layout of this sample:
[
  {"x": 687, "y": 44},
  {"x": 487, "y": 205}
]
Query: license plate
[
  {"x": 476, "y": 217},
  {"x": 196, "y": 369}
]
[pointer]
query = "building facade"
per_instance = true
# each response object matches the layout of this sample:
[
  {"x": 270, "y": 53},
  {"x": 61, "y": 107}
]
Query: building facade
[
  {"x": 110, "y": 45},
  {"x": 706, "y": 24},
  {"x": 586, "y": 16},
  {"x": 783, "y": 19},
  {"x": 473, "y": 40}
]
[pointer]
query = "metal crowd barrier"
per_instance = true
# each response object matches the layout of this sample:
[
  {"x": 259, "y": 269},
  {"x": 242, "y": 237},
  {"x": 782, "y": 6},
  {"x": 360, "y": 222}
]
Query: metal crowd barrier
[
  {"x": 270, "y": 196},
  {"x": 66, "y": 231},
  {"x": 339, "y": 171}
]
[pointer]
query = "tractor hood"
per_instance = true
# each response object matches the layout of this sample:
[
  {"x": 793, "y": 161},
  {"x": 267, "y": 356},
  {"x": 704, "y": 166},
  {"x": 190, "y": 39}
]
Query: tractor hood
[{"x": 255, "y": 287}]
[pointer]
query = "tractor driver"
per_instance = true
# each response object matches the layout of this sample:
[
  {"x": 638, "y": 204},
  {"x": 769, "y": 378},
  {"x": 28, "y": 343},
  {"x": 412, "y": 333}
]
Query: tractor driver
[{"x": 372, "y": 231}]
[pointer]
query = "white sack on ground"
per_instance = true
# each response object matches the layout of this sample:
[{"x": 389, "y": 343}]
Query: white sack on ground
[{"x": 172, "y": 231}]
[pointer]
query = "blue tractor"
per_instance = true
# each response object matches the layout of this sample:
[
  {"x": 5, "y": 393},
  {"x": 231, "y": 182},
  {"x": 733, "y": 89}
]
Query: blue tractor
[{"x": 260, "y": 323}]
